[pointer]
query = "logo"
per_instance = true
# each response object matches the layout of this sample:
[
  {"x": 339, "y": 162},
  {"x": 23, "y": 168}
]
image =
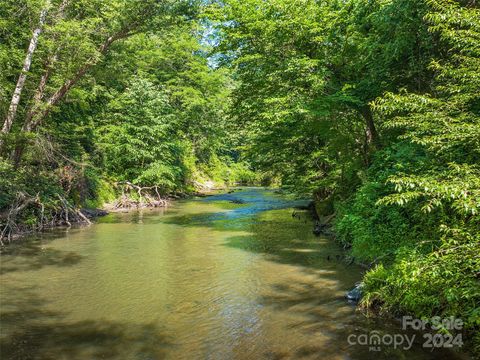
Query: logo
[{"x": 440, "y": 333}]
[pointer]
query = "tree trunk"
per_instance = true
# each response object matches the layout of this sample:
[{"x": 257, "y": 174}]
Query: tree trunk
[
  {"x": 370, "y": 129},
  {"x": 49, "y": 64},
  {"x": 37, "y": 115},
  {"x": 12, "y": 110}
]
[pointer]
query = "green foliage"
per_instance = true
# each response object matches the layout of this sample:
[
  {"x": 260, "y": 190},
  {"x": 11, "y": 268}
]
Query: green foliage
[
  {"x": 374, "y": 232},
  {"x": 97, "y": 191},
  {"x": 225, "y": 172},
  {"x": 435, "y": 259},
  {"x": 241, "y": 174},
  {"x": 439, "y": 283},
  {"x": 136, "y": 138},
  {"x": 150, "y": 110}
]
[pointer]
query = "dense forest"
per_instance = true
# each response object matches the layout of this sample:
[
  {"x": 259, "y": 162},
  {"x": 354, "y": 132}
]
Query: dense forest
[{"x": 370, "y": 107}]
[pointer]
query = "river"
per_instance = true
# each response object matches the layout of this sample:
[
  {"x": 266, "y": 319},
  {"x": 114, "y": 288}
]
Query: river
[{"x": 203, "y": 279}]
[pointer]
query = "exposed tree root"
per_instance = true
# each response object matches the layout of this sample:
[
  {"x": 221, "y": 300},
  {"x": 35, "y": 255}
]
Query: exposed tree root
[{"x": 28, "y": 214}]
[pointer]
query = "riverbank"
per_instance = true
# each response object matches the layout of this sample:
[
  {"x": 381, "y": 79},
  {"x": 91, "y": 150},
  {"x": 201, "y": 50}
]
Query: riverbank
[
  {"x": 424, "y": 279},
  {"x": 14, "y": 224},
  {"x": 65, "y": 215}
]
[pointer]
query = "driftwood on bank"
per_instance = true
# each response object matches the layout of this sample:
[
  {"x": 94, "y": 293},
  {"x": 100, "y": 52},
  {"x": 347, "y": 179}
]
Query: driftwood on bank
[
  {"x": 135, "y": 196},
  {"x": 12, "y": 221}
]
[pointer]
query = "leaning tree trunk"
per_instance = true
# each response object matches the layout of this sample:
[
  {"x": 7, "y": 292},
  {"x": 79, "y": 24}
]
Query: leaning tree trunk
[
  {"x": 36, "y": 115},
  {"x": 39, "y": 111},
  {"x": 370, "y": 129},
  {"x": 49, "y": 64},
  {"x": 12, "y": 110}
]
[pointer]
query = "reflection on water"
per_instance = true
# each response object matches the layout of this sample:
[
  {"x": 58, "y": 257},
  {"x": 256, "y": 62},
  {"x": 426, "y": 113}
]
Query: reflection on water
[{"x": 205, "y": 279}]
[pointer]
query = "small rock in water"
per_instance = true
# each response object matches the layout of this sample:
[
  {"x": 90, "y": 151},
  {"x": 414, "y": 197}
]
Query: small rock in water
[
  {"x": 356, "y": 293},
  {"x": 319, "y": 228},
  {"x": 94, "y": 213}
]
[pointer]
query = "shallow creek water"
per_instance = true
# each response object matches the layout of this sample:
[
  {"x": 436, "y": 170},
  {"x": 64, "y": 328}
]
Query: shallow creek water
[{"x": 203, "y": 279}]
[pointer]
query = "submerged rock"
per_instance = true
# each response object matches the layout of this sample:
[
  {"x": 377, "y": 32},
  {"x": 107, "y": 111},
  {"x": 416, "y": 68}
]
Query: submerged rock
[
  {"x": 237, "y": 201},
  {"x": 356, "y": 293}
]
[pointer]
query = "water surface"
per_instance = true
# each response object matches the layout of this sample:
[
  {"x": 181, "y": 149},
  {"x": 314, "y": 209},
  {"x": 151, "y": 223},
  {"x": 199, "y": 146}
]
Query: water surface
[{"x": 204, "y": 279}]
